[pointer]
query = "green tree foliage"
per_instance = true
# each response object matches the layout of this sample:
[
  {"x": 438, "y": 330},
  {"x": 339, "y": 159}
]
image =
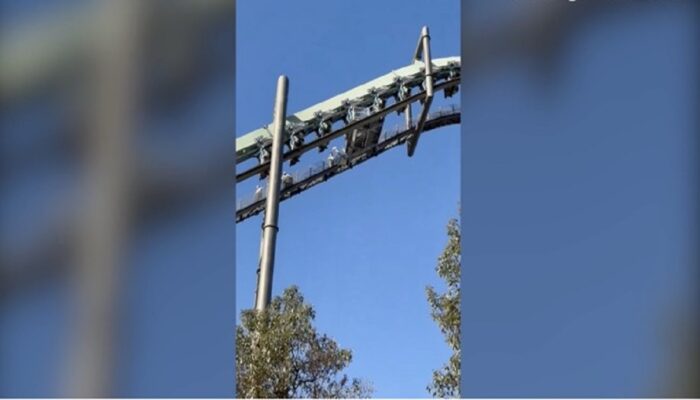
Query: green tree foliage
[
  {"x": 445, "y": 310},
  {"x": 279, "y": 354}
]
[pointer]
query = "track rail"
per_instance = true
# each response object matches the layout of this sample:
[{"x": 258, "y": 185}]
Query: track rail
[
  {"x": 397, "y": 106},
  {"x": 320, "y": 172}
]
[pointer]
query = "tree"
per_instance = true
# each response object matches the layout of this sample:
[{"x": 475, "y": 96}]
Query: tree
[
  {"x": 445, "y": 310},
  {"x": 279, "y": 354}
]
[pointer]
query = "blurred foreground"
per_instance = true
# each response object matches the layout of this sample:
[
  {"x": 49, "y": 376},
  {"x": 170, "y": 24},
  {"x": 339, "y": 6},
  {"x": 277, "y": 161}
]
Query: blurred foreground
[
  {"x": 117, "y": 198},
  {"x": 580, "y": 198}
]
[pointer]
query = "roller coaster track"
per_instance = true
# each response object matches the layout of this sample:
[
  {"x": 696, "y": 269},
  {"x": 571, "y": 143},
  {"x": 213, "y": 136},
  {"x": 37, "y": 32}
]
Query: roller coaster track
[
  {"x": 373, "y": 101},
  {"x": 321, "y": 171}
]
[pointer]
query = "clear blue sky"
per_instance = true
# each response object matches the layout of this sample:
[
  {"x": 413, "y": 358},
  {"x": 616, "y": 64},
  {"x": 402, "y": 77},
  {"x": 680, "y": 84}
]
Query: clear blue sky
[{"x": 363, "y": 246}]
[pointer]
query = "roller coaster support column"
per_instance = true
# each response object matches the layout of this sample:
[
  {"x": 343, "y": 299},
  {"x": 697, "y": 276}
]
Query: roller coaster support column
[
  {"x": 422, "y": 49},
  {"x": 269, "y": 237}
]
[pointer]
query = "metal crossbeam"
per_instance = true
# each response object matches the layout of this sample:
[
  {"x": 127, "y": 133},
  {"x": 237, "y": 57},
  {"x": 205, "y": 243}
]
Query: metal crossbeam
[
  {"x": 348, "y": 128},
  {"x": 321, "y": 175}
]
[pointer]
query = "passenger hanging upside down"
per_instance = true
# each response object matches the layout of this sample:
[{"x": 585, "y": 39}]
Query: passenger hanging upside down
[
  {"x": 287, "y": 180},
  {"x": 258, "y": 193},
  {"x": 340, "y": 155},
  {"x": 335, "y": 157},
  {"x": 296, "y": 141}
]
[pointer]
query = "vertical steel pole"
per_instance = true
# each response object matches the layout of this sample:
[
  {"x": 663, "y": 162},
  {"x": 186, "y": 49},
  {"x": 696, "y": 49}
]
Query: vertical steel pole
[
  {"x": 267, "y": 257},
  {"x": 427, "y": 59}
]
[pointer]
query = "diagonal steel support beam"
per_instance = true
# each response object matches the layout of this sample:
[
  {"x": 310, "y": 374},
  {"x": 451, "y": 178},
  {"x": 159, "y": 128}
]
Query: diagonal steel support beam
[{"x": 422, "y": 52}]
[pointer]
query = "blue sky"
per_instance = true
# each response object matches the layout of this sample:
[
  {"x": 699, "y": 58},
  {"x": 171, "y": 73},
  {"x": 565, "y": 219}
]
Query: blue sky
[
  {"x": 363, "y": 246},
  {"x": 577, "y": 212}
]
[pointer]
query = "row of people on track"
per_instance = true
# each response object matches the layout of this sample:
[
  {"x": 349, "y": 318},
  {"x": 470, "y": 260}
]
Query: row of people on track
[{"x": 287, "y": 180}]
